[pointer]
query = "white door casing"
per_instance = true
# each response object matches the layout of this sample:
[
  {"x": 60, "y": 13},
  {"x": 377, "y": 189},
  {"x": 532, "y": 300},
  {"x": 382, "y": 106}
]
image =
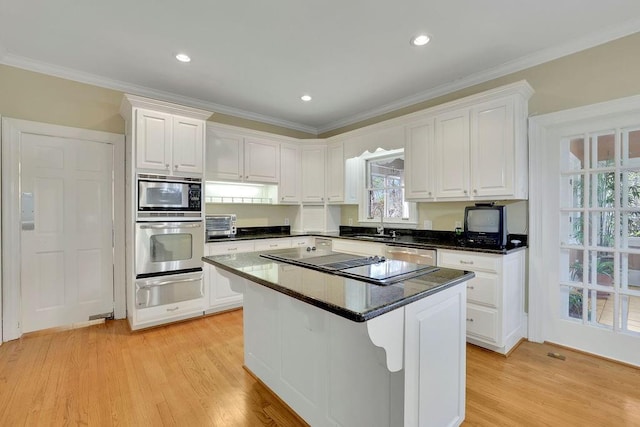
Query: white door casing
[
  {"x": 56, "y": 161},
  {"x": 545, "y": 136}
]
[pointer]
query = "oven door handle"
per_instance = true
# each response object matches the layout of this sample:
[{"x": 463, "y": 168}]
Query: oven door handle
[
  {"x": 167, "y": 282},
  {"x": 167, "y": 226}
]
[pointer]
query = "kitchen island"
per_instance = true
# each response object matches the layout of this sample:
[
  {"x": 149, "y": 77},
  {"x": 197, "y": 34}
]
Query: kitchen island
[{"x": 341, "y": 351}]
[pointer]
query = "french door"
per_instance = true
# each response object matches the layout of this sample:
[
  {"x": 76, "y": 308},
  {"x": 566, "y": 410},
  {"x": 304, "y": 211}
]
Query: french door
[{"x": 585, "y": 219}]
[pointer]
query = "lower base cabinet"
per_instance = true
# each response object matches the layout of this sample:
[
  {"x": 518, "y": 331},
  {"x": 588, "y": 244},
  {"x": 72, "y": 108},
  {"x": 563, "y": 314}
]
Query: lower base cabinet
[
  {"x": 217, "y": 282},
  {"x": 495, "y": 297}
]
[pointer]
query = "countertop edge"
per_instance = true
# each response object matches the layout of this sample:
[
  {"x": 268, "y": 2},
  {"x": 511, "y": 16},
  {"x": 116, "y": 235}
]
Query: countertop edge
[
  {"x": 347, "y": 314},
  {"x": 389, "y": 243}
]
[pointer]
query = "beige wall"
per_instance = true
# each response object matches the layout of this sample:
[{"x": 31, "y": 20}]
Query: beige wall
[
  {"x": 444, "y": 215},
  {"x": 38, "y": 97},
  {"x": 598, "y": 74}
]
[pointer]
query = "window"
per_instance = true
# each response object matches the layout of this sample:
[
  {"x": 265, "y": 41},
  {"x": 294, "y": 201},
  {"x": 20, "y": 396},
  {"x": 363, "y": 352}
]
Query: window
[{"x": 384, "y": 190}]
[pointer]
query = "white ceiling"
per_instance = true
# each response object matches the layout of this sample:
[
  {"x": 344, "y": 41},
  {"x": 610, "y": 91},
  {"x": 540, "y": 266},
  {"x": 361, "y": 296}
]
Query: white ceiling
[{"x": 254, "y": 59}]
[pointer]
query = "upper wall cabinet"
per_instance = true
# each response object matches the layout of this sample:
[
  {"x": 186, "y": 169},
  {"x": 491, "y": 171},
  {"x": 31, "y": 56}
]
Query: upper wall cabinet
[
  {"x": 236, "y": 157},
  {"x": 335, "y": 172},
  {"x": 290, "y": 180},
  {"x": 166, "y": 138},
  {"x": 419, "y": 147},
  {"x": 471, "y": 149},
  {"x": 313, "y": 158}
]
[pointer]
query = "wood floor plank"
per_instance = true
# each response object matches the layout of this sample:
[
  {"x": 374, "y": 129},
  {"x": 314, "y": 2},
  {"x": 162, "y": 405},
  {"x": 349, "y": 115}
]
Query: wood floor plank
[{"x": 191, "y": 373}]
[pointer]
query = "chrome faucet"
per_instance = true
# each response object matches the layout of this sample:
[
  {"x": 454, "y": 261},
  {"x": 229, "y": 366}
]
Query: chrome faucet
[{"x": 380, "y": 228}]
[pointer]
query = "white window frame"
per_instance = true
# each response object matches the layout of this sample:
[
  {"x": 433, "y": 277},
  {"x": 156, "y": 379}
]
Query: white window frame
[{"x": 410, "y": 222}]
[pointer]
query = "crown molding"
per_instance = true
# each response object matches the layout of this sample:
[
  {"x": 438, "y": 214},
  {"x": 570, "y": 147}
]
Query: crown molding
[
  {"x": 96, "y": 80},
  {"x": 537, "y": 58}
]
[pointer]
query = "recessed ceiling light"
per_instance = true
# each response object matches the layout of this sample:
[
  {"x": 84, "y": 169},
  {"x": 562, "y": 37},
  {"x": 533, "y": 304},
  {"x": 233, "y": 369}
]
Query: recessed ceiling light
[
  {"x": 182, "y": 57},
  {"x": 306, "y": 98},
  {"x": 420, "y": 40}
]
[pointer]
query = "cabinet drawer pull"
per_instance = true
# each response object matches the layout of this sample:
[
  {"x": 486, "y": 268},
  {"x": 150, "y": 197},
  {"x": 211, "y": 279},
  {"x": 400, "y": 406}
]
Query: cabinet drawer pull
[
  {"x": 232, "y": 249},
  {"x": 273, "y": 246},
  {"x": 469, "y": 319},
  {"x": 466, "y": 262},
  {"x": 470, "y": 287},
  {"x": 173, "y": 309}
]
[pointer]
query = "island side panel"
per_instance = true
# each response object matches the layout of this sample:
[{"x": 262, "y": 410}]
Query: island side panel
[
  {"x": 322, "y": 365},
  {"x": 435, "y": 359}
]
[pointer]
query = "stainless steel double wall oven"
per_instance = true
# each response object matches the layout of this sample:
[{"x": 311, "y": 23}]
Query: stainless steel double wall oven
[{"x": 169, "y": 239}]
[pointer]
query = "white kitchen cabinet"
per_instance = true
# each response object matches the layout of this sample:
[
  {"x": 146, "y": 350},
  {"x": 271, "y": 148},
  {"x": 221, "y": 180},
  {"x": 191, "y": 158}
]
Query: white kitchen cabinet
[
  {"x": 495, "y": 297},
  {"x": 289, "y": 186},
  {"x": 225, "y": 155},
  {"x": 302, "y": 242},
  {"x": 335, "y": 172},
  {"x": 233, "y": 156},
  {"x": 419, "y": 154},
  {"x": 313, "y": 160},
  {"x": 168, "y": 143},
  {"x": 261, "y": 160},
  {"x": 471, "y": 149},
  {"x": 357, "y": 247},
  {"x": 452, "y": 154},
  {"x": 217, "y": 281},
  {"x": 493, "y": 148},
  {"x": 354, "y": 180},
  {"x": 261, "y": 245}
]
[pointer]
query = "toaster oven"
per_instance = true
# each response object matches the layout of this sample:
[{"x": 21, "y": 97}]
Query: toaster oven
[{"x": 218, "y": 226}]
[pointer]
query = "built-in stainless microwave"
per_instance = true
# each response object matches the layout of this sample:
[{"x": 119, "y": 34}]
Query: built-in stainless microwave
[{"x": 163, "y": 197}]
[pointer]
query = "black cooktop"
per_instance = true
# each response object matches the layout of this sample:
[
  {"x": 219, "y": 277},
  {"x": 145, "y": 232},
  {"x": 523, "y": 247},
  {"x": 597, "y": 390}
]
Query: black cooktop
[{"x": 377, "y": 270}]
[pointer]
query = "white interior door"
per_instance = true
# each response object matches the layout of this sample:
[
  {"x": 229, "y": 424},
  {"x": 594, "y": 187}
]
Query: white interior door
[{"x": 66, "y": 239}]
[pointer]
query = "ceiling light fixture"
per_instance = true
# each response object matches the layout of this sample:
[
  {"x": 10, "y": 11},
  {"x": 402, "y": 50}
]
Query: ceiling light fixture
[
  {"x": 306, "y": 98},
  {"x": 420, "y": 40},
  {"x": 183, "y": 57}
]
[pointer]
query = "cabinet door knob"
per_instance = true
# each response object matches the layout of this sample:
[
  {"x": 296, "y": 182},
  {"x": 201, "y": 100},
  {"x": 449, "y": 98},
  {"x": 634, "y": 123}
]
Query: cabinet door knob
[
  {"x": 166, "y": 165},
  {"x": 475, "y": 191},
  {"x": 466, "y": 192},
  {"x": 429, "y": 192},
  {"x": 175, "y": 166}
]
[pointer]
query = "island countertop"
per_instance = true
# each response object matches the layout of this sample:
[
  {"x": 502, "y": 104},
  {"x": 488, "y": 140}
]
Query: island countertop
[{"x": 349, "y": 298}]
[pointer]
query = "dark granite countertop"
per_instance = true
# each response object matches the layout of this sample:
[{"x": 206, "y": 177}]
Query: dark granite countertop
[
  {"x": 420, "y": 239},
  {"x": 352, "y": 299}
]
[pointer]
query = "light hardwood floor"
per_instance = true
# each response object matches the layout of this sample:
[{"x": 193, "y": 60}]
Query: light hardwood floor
[{"x": 190, "y": 374}]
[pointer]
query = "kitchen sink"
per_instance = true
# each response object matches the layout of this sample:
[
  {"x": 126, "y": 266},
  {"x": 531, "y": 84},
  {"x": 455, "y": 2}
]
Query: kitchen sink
[{"x": 378, "y": 237}]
